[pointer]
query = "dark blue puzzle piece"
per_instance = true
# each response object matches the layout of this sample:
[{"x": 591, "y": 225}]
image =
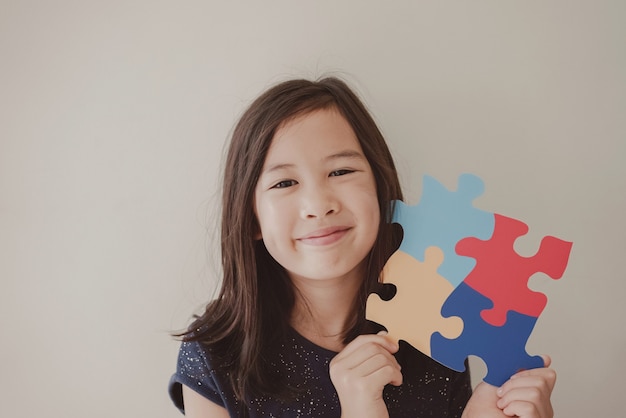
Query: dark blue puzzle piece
[
  {"x": 501, "y": 348},
  {"x": 441, "y": 219}
]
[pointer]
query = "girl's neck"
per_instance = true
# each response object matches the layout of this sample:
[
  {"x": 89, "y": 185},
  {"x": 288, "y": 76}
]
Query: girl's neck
[
  {"x": 325, "y": 331},
  {"x": 323, "y": 310}
]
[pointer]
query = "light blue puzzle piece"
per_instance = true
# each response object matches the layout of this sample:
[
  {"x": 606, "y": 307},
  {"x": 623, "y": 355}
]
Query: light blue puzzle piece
[{"x": 441, "y": 219}]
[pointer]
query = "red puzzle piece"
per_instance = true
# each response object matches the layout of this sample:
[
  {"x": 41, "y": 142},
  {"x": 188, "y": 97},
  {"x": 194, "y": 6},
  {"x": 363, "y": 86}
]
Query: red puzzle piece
[{"x": 502, "y": 275}]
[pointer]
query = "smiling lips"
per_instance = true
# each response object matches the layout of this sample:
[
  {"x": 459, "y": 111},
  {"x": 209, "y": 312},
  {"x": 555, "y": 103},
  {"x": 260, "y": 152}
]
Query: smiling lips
[{"x": 325, "y": 236}]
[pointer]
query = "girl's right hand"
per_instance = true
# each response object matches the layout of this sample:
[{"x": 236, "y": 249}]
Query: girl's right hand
[{"x": 361, "y": 371}]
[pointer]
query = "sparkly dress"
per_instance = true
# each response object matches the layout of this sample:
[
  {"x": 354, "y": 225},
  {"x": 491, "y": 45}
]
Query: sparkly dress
[{"x": 428, "y": 389}]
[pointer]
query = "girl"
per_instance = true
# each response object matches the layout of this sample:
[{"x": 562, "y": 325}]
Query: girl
[{"x": 305, "y": 232}]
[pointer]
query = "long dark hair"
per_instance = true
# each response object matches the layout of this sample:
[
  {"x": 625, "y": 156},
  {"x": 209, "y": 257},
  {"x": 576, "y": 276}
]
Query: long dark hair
[{"x": 256, "y": 298}]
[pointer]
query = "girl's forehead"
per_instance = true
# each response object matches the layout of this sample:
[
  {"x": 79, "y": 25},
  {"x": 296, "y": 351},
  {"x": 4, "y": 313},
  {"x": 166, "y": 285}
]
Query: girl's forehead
[{"x": 319, "y": 132}]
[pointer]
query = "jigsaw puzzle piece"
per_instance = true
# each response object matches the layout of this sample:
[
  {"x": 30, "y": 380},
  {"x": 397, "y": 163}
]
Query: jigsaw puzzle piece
[
  {"x": 414, "y": 313},
  {"x": 441, "y": 219},
  {"x": 501, "y": 348},
  {"x": 502, "y": 275}
]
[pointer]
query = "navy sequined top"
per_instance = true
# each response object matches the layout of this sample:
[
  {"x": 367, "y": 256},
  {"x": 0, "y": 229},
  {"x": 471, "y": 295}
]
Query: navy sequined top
[{"x": 428, "y": 389}]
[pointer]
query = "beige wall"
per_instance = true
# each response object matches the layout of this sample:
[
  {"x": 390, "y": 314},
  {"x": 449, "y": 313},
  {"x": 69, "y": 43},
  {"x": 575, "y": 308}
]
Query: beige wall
[{"x": 112, "y": 121}]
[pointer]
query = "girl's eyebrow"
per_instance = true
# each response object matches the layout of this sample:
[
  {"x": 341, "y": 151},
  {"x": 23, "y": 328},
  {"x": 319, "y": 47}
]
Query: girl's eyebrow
[
  {"x": 277, "y": 167},
  {"x": 350, "y": 154}
]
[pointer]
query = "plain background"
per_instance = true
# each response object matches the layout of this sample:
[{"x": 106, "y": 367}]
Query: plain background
[{"x": 113, "y": 117}]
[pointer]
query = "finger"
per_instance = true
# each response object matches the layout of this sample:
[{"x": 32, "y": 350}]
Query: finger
[
  {"x": 529, "y": 405},
  {"x": 381, "y": 339},
  {"x": 381, "y": 366},
  {"x": 545, "y": 374},
  {"x": 387, "y": 373},
  {"x": 531, "y": 394},
  {"x": 363, "y": 353},
  {"x": 528, "y": 394},
  {"x": 543, "y": 381},
  {"x": 368, "y": 361},
  {"x": 523, "y": 409}
]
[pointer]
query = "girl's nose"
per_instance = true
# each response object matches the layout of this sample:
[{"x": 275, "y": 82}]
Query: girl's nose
[{"x": 318, "y": 202}]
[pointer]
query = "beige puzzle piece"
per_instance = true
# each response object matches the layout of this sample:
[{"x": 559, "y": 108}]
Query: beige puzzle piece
[{"x": 414, "y": 313}]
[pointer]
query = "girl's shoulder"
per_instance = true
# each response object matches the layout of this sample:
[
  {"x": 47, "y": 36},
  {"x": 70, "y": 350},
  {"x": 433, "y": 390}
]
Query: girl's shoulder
[
  {"x": 195, "y": 358},
  {"x": 194, "y": 369}
]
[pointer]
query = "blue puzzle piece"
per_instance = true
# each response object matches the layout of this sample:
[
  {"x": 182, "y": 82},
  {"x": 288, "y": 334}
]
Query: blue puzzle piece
[
  {"x": 501, "y": 348},
  {"x": 441, "y": 219}
]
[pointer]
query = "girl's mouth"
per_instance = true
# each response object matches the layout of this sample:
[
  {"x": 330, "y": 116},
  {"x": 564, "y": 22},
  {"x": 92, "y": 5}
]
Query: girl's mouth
[{"x": 325, "y": 236}]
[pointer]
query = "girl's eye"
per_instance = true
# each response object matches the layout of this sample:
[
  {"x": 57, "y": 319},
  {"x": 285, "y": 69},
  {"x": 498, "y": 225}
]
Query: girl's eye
[
  {"x": 342, "y": 172},
  {"x": 283, "y": 184}
]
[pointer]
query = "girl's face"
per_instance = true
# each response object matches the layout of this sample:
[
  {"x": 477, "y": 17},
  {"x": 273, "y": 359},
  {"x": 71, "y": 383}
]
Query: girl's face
[{"x": 316, "y": 201}]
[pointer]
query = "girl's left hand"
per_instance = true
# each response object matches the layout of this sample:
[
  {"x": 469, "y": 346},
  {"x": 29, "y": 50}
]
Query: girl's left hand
[{"x": 526, "y": 394}]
